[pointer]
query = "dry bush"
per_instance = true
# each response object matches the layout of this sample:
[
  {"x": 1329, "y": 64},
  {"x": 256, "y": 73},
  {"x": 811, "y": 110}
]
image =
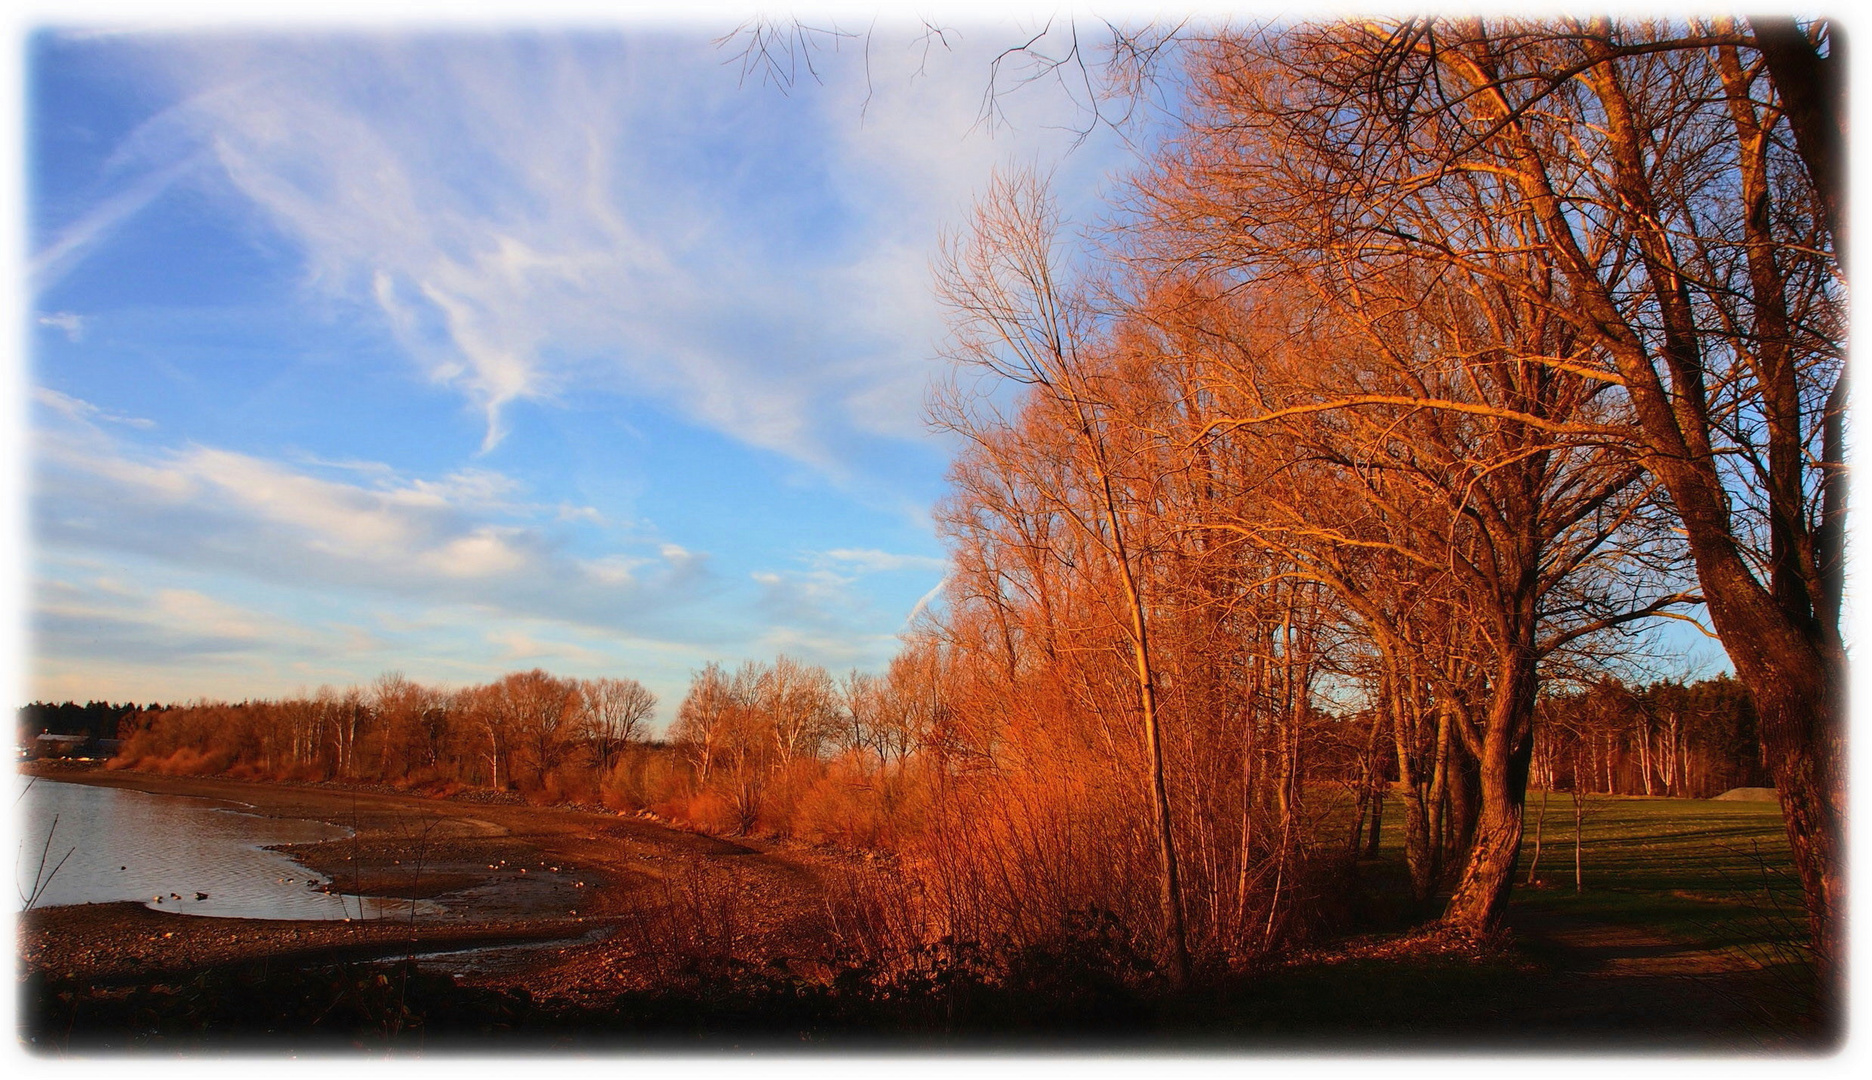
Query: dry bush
[
  {"x": 878, "y": 913},
  {"x": 841, "y": 810},
  {"x": 187, "y": 761},
  {"x": 570, "y": 783},
  {"x": 690, "y": 930},
  {"x": 854, "y": 804},
  {"x": 1013, "y": 858},
  {"x": 643, "y": 777},
  {"x": 704, "y": 811}
]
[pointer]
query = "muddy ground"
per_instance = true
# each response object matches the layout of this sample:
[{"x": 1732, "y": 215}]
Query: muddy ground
[{"x": 595, "y": 881}]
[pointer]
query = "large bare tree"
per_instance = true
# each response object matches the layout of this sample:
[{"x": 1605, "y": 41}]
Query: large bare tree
[{"x": 1660, "y": 175}]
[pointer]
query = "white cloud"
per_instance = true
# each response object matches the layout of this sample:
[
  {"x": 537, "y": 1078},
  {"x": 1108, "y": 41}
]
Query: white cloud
[
  {"x": 486, "y": 553},
  {"x": 924, "y": 601},
  {"x": 870, "y": 560},
  {"x": 83, "y": 412},
  {"x": 520, "y": 647},
  {"x": 190, "y": 611},
  {"x": 131, "y": 624},
  {"x": 461, "y": 539},
  {"x": 834, "y": 650},
  {"x": 532, "y": 214},
  {"x": 73, "y": 324}
]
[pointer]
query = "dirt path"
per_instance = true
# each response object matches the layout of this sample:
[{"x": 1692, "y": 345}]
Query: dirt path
[{"x": 1621, "y": 979}]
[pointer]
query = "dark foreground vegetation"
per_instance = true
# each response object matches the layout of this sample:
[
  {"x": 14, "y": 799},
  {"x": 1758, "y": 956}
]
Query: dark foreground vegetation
[{"x": 1686, "y": 935}]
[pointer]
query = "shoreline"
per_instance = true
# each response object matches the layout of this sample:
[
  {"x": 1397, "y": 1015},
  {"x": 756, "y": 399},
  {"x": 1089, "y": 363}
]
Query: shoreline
[{"x": 501, "y": 873}]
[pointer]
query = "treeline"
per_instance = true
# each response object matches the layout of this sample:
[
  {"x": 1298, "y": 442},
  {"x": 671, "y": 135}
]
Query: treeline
[
  {"x": 779, "y": 749},
  {"x": 550, "y": 738},
  {"x": 1687, "y": 740},
  {"x": 96, "y": 719}
]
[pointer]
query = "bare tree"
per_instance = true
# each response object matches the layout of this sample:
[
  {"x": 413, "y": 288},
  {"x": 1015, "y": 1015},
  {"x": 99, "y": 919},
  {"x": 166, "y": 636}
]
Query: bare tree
[
  {"x": 1014, "y": 317},
  {"x": 703, "y": 719},
  {"x": 1666, "y": 179},
  {"x": 613, "y": 714}
]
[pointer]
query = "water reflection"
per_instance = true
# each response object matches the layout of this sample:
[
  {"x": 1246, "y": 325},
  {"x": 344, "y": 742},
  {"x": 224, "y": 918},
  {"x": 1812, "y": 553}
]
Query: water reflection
[{"x": 183, "y": 855}]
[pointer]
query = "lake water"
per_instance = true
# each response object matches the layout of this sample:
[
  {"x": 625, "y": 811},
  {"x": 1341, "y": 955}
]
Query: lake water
[{"x": 119, "y": 844}]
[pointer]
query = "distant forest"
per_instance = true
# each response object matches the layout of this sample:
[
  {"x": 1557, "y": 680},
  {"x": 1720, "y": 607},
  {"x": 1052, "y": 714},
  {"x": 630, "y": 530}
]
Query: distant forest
[
  {"x": 94, "y": 719},
  {"x": 1687, "y": 740}
]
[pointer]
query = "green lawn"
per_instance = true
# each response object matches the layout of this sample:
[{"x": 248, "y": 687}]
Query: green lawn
[
  {"x": 1698, "y": 874},
  {"x": 1695, "y": 869}
]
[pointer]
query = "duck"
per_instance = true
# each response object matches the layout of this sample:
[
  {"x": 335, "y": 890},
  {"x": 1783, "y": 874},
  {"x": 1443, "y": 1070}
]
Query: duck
[{"x": 201, "y": 896}]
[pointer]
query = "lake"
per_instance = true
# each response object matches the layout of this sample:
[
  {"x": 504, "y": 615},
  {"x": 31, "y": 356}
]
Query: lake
[{"x": 183, "y": 855}]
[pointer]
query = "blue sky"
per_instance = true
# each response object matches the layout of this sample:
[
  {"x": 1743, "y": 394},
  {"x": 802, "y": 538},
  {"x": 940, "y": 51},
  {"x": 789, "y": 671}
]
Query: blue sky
[{"x": 458, "y": 352}]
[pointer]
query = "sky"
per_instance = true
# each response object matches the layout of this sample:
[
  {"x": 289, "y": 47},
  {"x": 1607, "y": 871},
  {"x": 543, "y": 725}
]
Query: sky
[
  {"x": 465, "y": 347},
  {"x": 462, "y": 350}
]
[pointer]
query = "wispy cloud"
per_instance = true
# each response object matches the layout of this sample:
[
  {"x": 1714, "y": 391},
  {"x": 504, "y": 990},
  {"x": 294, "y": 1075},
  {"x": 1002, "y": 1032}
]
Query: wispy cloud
[
  {"x": 870, "y": 560},
  {"x": 535, "y": 213},
  {"x": 71, "y": 323},
  {"x": 75, "y": 241},
  {"x": 824, "y": 616},
  {"x": 84, "y": 412},
  {"x": 464, "y": 538},
  {"x": 518, "y": 647}
]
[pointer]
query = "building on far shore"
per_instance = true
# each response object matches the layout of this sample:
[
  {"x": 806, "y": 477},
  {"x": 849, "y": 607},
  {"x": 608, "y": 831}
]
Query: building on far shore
[{"x": 48, "y": 745}]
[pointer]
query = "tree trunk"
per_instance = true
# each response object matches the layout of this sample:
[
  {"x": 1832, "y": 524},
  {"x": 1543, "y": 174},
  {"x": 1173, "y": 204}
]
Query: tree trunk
[
  {"x": 1481, "y": 897},
  {"x": 1172, "y": 887},
  {"x": 1377, "y": 820},
  {"x": 1540, "y": 819}
]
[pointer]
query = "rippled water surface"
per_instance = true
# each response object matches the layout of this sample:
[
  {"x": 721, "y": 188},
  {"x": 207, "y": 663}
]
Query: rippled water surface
[{"x": 118, "y": 844}]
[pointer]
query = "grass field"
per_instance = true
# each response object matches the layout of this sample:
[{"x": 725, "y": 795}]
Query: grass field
[
  {"x": 1688, "y": 933},
  {"x": 1693, "y": 869}
]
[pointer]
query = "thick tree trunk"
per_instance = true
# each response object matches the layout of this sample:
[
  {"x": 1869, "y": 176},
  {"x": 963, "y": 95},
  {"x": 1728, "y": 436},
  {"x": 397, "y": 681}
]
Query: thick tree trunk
[
  {"x": 1783, "y": 640},
  {"x": 1799, "y": 714},
  {"x": 1417, "y": 845},
  {"x": 1481, "y": 897}
]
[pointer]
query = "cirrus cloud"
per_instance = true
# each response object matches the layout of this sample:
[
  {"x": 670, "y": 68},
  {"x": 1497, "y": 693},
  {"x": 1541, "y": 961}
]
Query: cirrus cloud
[{"x": 529, "y": 214}]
